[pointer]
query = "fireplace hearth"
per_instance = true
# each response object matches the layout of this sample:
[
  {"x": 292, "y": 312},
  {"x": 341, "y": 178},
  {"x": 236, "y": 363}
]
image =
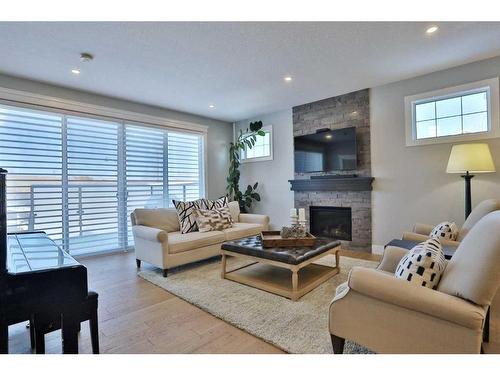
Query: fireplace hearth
[{"x": 331, "y": 222}]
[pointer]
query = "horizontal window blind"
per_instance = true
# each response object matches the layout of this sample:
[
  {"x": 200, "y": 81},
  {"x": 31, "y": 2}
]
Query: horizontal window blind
[
  {"x": 92, "y": 164},
  {"x": 31, "y": 151},
  {"x": 184, "y": 172},
  {"x": 79, "y": 178},
  {"x": 144, "y": 153}
]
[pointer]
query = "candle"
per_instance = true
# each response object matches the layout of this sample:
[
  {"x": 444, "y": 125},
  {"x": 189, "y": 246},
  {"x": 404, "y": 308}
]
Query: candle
[
  {"x": 293, "y": 212},
  {"x": 302, "y": 214}
]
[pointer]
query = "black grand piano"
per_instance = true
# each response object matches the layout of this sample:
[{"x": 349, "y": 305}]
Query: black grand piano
[{"x": 39, "y": 282}]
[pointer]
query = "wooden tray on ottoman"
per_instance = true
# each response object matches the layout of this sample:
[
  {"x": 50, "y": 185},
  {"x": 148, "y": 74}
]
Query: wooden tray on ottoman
[{"x": 273, "y": 238}]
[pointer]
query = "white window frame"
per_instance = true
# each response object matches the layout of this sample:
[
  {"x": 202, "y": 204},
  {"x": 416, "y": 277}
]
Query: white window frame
[
  {"x": 268, "y": 129},
  {"x": 491, "y": 86}
]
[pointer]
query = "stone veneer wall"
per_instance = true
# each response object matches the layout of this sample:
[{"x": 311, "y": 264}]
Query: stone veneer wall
[{"x": 339, "y": 112}]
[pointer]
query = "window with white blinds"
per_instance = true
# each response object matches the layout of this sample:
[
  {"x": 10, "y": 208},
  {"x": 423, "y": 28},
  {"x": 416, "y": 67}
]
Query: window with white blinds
[
  {"x": 184, "y": 166},
  {"x": 144, "y": 169},
  {"x": 78, "y": 178},
  {"x": 92, "y": 166}
]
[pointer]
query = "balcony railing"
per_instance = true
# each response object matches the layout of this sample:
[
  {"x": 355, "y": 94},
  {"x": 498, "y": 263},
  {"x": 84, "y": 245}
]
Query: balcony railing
[{"x": 92, "y": 210}]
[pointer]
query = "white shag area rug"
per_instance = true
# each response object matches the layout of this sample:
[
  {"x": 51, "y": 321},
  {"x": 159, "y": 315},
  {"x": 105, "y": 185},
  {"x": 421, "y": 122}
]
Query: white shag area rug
[{"x": 296, "y": 327}]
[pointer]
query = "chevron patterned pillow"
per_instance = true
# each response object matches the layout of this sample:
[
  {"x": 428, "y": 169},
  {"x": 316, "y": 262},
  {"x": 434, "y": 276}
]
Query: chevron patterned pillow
[
  {"x": 186, "y": 213},
  {"x": 423, "y": 265}
]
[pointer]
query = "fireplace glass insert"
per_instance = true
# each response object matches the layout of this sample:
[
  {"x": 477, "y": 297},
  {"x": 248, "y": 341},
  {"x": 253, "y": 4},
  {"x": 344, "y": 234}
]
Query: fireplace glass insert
[{"x": 331, "y": 222}]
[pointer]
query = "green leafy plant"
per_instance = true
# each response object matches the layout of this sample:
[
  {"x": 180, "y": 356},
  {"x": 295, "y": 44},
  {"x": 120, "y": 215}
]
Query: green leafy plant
[{"x": 245, "y": 140}]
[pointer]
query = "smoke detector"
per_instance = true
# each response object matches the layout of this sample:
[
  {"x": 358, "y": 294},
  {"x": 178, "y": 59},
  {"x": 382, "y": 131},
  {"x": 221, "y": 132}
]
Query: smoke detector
[{"x": 85, "y": 57}]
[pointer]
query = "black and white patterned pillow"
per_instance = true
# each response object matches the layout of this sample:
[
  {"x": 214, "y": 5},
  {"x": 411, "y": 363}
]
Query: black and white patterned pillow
[
  {"x": 423, "y": 265},
  {"x": 187, "y": 215},
  {"x": 210, "y": 220},
  {"x": 219, "y": 203},
  {"x": 445, "y": 231}
]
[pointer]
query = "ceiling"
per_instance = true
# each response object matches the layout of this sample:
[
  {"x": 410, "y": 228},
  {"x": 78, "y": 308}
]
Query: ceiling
[{"x": 238, "y": 67}]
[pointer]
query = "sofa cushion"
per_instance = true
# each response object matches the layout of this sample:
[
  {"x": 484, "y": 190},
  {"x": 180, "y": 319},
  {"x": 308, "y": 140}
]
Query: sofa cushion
[
  {"x": 481, "y": 210},
  {"x": 445, "y": 231},
  {"x": 187, "y": 215},
  {"x": 179, "y": 242},
  {"x": 240, "y": 230},
  {"x": 423, "y": 265},
  {"x": 473, "y": 272},
  {"x": 218, "y": 203},
  {"x": 234, "y": 208},
  {"x": 213, "y": 220},
  {"x": 162, "y": 218}
]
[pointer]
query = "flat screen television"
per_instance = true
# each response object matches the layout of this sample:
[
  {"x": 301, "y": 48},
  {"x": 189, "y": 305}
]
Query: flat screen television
[{"x": 326, "y": 151}]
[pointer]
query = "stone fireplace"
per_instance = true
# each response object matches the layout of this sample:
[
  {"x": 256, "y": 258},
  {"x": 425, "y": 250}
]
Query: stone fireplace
[
  {"x": 349, "y": 196},
  {"x": 331, "y": 222}
]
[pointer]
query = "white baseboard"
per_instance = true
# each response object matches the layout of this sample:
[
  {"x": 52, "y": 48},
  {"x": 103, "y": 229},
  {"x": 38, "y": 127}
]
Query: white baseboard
[{"x": 377, "y": 249}]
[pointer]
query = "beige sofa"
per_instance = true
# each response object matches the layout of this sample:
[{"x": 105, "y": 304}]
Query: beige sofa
[
  {"x": 390, "y": 315},
  {"x": 158, "y": 239},
  {"x": 421, "y": 231}
]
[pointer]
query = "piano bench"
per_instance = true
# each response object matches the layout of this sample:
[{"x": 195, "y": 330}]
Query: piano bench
[{"x": 41, "y": 324}]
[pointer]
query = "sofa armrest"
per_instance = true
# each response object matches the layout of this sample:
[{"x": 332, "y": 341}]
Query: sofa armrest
[
  {"x": 149, "y": 233},
  {"x": 410, "y": 236},
  {"x": 390, "y": 259},
  {"x": 255, "y": 219},
  {"x": 423, "y": 228},
  {"x": 387, "y": 288}
]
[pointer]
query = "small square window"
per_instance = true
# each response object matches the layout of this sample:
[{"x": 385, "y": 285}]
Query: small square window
[{"x": 263, "y": 148}]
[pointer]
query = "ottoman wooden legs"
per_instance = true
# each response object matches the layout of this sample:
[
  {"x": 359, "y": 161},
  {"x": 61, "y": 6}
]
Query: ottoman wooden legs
[{"x": 287, "y": 280}]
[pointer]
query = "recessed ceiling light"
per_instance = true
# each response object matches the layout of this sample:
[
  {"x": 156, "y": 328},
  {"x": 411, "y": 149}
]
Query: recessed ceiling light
[
  {"x": 211, "y": 106},
  {"x": 288, "y": 78},
  {"x": 75, "y": 71},
  {"x": 328, "y": 136},
  {"x": 86, "y": 57},
  {"x": 432, "y": 30}
]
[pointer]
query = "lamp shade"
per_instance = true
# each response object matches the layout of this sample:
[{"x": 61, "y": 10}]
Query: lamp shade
[{"x": 472, "y": 157}]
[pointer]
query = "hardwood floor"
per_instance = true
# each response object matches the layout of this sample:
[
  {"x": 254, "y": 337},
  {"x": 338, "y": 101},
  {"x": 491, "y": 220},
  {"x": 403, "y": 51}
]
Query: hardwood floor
[{"x": 136, "y": 316}]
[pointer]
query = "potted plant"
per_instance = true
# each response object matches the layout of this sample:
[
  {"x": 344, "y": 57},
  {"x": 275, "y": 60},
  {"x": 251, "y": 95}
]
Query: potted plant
[{"x": 245, "y": 140}]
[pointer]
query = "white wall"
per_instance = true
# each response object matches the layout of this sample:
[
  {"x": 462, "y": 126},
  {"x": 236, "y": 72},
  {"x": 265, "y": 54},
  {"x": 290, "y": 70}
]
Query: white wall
[
  {"x": 219, "y": 135},
  {"x": 411, "y": 184},
  {"x": 273, "y": 175}
]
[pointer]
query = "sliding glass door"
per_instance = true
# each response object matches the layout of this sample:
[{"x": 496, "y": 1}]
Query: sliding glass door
[
  {"x": 184, "y": 166},
  {"x": 31, "y": 150},
  {"x": 144, "y": 169},
  {"x": 78, "y": 178},
  {"x": 92, "y": 168}
]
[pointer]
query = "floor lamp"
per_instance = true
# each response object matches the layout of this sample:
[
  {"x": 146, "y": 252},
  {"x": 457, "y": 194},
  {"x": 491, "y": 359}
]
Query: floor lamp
[{"x": 467, "y": 159}]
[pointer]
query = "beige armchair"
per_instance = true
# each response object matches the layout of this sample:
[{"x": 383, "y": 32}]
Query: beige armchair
[
  {"x": 421, "y": 231},
  {"x": 390, "y": 315}
]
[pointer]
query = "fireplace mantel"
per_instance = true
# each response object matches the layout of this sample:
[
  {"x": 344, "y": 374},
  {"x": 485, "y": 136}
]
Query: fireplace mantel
[{"x": 332, "y": 184}]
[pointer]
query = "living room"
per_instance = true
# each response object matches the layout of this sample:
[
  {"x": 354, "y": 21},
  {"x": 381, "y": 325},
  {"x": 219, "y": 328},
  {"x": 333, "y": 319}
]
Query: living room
[{"x": 249, "y": 187}]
